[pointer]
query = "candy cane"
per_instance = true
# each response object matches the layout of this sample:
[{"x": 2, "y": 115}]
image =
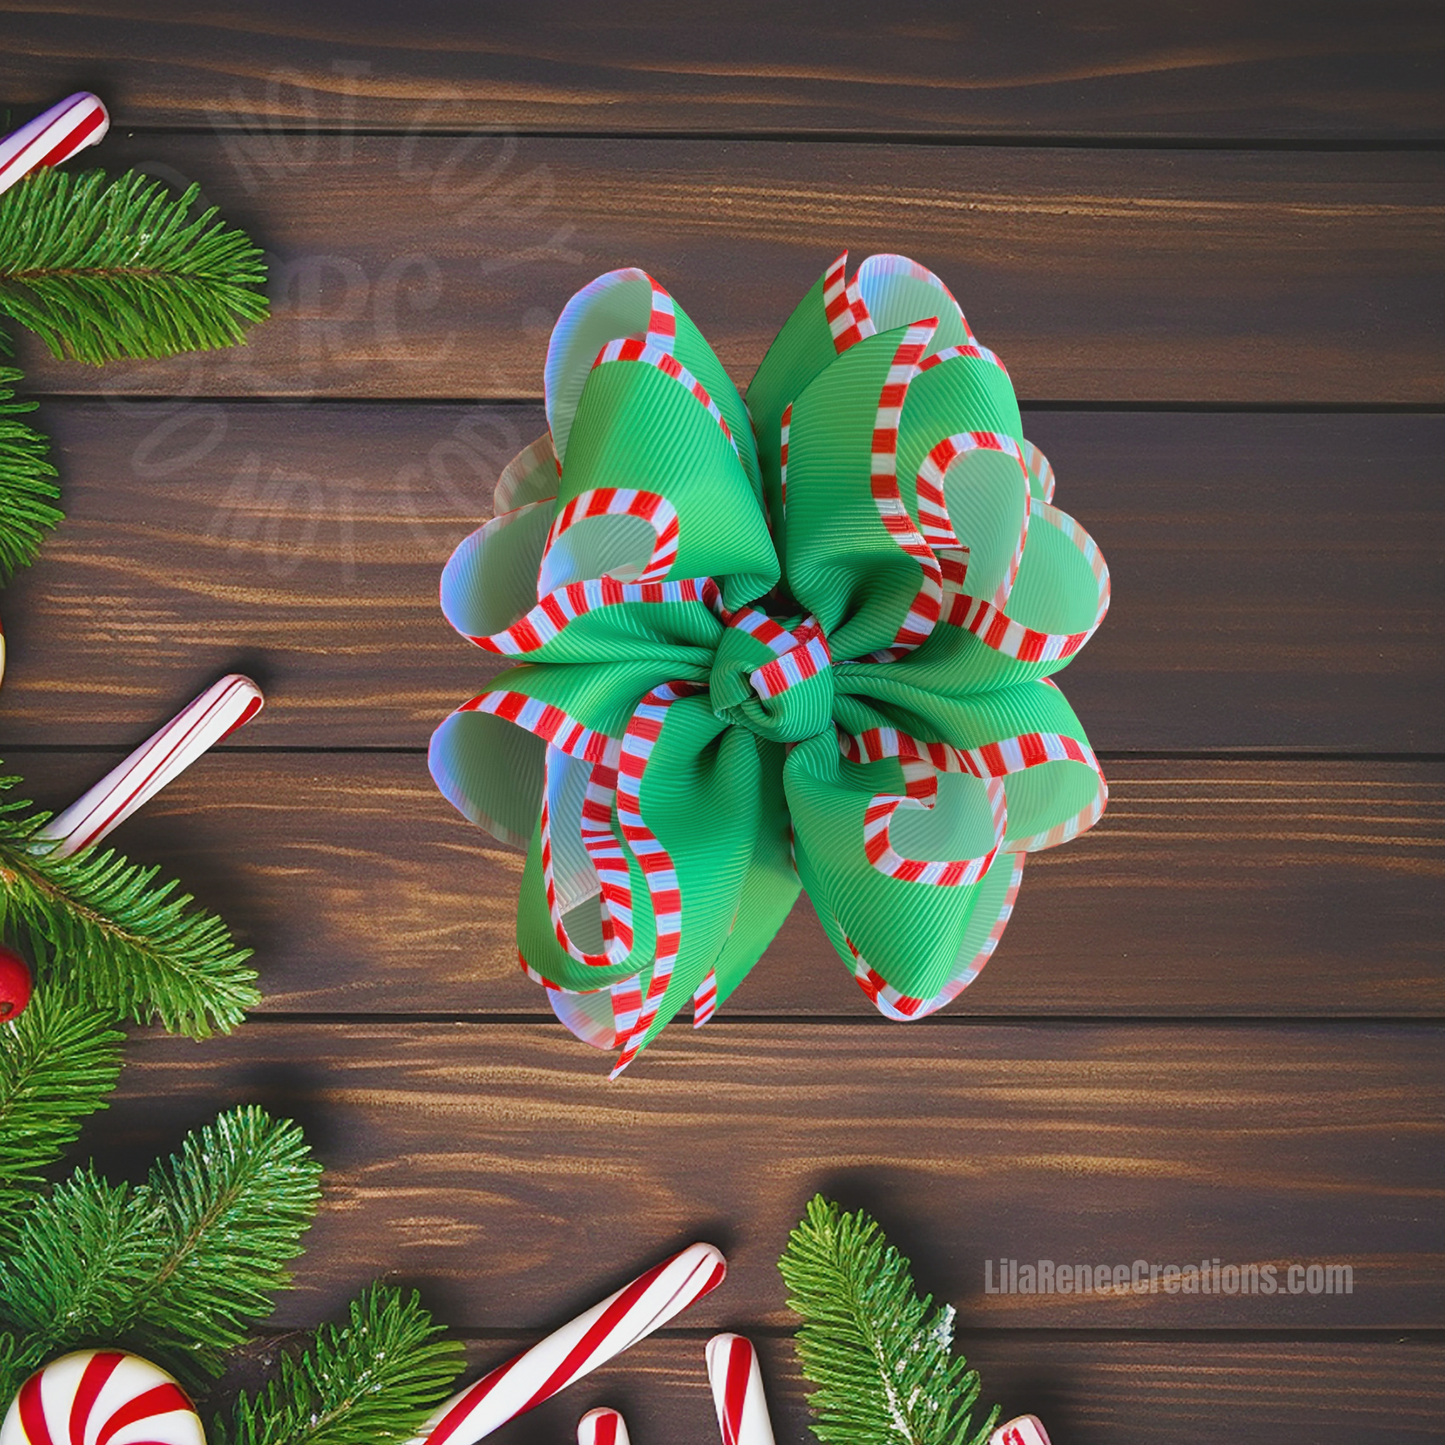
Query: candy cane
[
  {"x": 602, "y": 1427},
  {"x": 1025, "y": 1430},
  {"x": 79, "y": 120},
  {"x": 203, "y": 723},
  {"x": 577, "y": 1348},
  {"x": 737, "y": 1391}
]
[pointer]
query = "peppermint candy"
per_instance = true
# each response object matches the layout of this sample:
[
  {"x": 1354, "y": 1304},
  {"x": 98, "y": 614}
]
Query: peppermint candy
[
  {"x": 593, "y": 1338},
  {"x": 79, "y": 120},
  {"x": 215, "y": 714},
  {"x": 95, "y": 1395},
  {"x": 737, "y": 1391},
  {"x": 1023, "y": 1430},
  {"x": 602, "y": 1427}
]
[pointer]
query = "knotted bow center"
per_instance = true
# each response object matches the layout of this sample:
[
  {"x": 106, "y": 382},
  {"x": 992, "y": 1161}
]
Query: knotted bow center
[{"x": 773, "y": 678}]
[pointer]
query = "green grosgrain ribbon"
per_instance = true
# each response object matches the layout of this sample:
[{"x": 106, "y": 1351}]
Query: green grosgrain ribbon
[{"x": 802, "y": 641}]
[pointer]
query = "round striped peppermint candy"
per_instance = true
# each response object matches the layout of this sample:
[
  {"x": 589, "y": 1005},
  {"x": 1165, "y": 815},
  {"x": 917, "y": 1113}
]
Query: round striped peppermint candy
[
  {"x": 96, "y": 1395},
  {"x": 602, "y": 1427}
]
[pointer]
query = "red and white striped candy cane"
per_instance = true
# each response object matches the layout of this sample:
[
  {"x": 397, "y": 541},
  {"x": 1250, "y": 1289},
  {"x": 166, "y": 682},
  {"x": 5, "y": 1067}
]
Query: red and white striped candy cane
[
  {"x": 79, "y": 120},
  {"x": 634, "y": 1312},
  {"x": 96, "y": 1395},
  {"x": 737, "y": 1391},
  {"x": 602, "y": 1427},
  {"x": 219, "y": 710},
  {"x": 1025, "y": 1430}
]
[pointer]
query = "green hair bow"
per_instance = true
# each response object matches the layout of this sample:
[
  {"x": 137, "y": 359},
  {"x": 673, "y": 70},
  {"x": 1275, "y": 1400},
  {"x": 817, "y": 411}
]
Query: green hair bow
[{"x": 804, "y": 641}]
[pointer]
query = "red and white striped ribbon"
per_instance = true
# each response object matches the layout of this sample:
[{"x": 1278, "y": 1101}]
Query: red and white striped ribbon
[
  {"x": 592, "y": 1339},
  {"x": 218, "y": 711},
  {"x": 602, "y": 1427},
  {"x": 78, "y": 121},
  {"x": 1025, "y": 1430},
  {"x": 737, "y": 1391}
]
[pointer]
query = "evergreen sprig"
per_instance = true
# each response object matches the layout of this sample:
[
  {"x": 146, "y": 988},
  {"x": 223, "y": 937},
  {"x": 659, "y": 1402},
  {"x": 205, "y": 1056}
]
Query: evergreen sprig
[
  {"x": 125, "y": 941},
  {"x": 101, "y": 269},
  {"x": 177, "y": 1268},
  {"x": 881, "y": 1357},
  {"x": 27, "y": 482},
  {"x": 59, "y": 1059},
  {"x": 372, "y": 1381}
]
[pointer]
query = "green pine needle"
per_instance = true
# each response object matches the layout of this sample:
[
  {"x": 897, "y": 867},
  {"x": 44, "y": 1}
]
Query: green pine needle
[
  {"x": 177, "y": 1268},
  {"x": 78, "y": 1262},
  {"x": 371, "y": 1382},
  {"x": 881, "y": 1357},
  {"x": 58, "y": 1061},
  {"x": 128, "y": 943},
  {"x": 27, "y": 486},
  {"x": 237, "y": 1199},
  {"x": 101, "y": 269}
]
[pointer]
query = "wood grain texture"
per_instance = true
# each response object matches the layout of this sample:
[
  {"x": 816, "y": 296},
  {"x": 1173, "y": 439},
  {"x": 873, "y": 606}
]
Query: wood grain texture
[
  {"x": 434, "y": 267},
  {"x": 495, "y": 1164},
  {"x": 1119, "y": 68},
  {"x": 1209, "y": 888},
  {"x": 1276, "y": 578},
  {"x": 1191, "y": 1390}
]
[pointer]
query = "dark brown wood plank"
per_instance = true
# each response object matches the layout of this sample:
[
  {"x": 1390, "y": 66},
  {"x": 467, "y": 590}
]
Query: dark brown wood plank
[
  {"x": 1209, "y": 888},
  {"x": 435, "y": 266},
  {"x": 496, "y": 1164},
  {"x": 1131, "y": 1390},
  {"x": 1276, "y": 578},
  {"x": 1121, "y": 68}
]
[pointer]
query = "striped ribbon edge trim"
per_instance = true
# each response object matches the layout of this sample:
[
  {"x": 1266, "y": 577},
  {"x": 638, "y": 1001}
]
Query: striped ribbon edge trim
[
  {"x": 801, "y": 652},
  {"x": 992, "y": 760},
  {"x": 890, "y": 263},
  {"x": 923, "y": 613},
  {"x": 1039, "y": 469},
  {"x": 551, "y": 616},
  {"x": 933, "y": 520},
  {"x": 921, "y": 763},
  {"x": 973, "y": 352},
  {"x": 1029, "y": 750},
  {"x": 643, "y": 731},
  {"x": 902, "y": 1007},
  {"x": 652, "y": 507},
  {"x": 843, "y": 307},
  {"x": 997, "y": 630},
  {"x": 785, "y": 425},
  {"x": 608, "y": 860},
  {"x": 533, "y": 455},
  {"x": 632, "y": 349}
]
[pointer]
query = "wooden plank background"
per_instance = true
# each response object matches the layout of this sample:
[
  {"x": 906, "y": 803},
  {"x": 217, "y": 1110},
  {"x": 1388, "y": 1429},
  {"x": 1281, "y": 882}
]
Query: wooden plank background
[{"x": 1207, "y": 244}]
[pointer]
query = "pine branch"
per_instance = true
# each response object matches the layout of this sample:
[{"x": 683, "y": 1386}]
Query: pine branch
[
  {"x": 883, "y": 1364},
  {"x": 79, "y": 1260},
  {"x": 103, "y": 269},
  {"x": 58, "y": 1061},
  {"x": 177, "y": 1268},
  {"x": 27, "y": 486},
  {"x": 372, "y": 1382},
  {"x": 127, "y": 942},
  {"x": 237, "y": 1199}
]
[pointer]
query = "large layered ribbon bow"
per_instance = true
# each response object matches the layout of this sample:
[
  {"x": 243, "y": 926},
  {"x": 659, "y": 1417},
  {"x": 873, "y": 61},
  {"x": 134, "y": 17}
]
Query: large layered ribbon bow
[{"x": 802, "y": 641}]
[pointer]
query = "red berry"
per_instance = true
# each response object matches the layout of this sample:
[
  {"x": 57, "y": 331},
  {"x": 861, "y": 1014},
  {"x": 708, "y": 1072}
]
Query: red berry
[{"x": 14, "y": 984}]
